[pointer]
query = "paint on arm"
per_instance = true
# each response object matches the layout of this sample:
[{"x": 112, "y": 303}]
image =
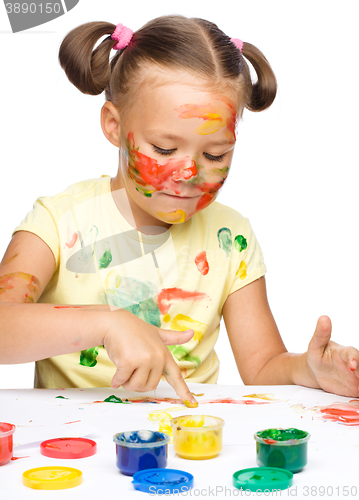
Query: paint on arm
[{"x": 19, "y": 287}]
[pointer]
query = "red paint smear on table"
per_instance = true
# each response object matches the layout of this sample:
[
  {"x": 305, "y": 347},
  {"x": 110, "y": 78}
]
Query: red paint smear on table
[
  {"x": 73, "y": 240},
  {"x": 168, "y": 295},
  {"x": 149, "y": 399},
  {"x": 344, "y": 413},
  {"x": 18, "y": 458},
  {"x": 202, "y": 263},
  {"x": 74, "y": 422}
]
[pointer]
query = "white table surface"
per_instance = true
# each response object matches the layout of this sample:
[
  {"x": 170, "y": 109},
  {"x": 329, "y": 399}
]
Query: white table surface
[{"x": 333, "y": 450}]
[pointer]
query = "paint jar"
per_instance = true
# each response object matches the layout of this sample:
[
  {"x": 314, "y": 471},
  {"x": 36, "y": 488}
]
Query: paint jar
[
  {"x": 6, "y": 433},
  {"x": 283, "y": 448},
  {"x": 197, "y": 437},
  {"x": 140, "y": 450}
]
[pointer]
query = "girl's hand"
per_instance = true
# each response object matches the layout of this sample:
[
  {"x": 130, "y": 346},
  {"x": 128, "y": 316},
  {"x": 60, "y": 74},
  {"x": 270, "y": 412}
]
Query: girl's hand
[
  {"x": 335, "y": 368},
  {"x": 140, "y": 355}
]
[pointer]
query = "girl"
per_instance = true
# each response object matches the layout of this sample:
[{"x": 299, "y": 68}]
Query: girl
[{"x": 133, "y": 273}]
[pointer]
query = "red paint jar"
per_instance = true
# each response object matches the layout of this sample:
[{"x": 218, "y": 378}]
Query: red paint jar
[{"x": 6, "y": 432}]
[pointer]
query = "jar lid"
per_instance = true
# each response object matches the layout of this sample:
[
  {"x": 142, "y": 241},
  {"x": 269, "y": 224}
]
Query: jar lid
[
  {"x": 162, "y": 481},
  {"x": 68, "y": 448},
  {"x": 262, "y": 478},
  {"x": 52, "y": 478}
]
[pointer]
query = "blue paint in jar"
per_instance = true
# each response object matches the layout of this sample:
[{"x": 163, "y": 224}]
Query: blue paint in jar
[{"x": 140, "y": 450}]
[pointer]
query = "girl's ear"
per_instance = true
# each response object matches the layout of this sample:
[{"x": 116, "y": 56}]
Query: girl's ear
[{"x": 110, "y": 123}]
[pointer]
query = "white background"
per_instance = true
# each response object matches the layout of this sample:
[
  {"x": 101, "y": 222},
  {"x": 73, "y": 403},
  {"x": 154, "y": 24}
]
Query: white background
[{"x": 294, "y": 173}]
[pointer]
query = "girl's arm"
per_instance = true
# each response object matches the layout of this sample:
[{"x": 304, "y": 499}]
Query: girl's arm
[
  {"x": 30, "y": 331},
  {"x": 262, "y": 358}
]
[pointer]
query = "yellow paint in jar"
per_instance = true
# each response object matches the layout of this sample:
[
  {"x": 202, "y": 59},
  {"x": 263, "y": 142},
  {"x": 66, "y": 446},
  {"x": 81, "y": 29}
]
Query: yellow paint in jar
[{"x": 197, "y": 437}]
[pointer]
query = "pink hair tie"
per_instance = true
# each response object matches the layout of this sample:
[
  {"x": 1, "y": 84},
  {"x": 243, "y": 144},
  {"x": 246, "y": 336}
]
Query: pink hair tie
[
  {"x": 238, "y": 43},
  {"x": 123, "y": 36}
]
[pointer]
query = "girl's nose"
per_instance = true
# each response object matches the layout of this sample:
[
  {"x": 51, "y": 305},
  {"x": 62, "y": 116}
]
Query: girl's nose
[{"x": 185, "y": 170}]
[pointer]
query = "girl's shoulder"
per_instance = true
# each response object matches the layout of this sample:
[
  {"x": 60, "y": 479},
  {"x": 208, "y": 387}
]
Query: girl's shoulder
[
  {"x": 218, "y": 213},
  {"x": 82, "y": 190}
]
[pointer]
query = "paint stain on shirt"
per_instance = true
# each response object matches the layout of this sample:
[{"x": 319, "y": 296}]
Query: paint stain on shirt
[
  {"x": 202, "y": 263},
  {"x": 224, "y": 236}
]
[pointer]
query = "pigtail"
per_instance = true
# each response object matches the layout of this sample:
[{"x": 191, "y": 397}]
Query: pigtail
[
  {"x": 261, "y": 94},
  {"x": 88, "y": 69}
]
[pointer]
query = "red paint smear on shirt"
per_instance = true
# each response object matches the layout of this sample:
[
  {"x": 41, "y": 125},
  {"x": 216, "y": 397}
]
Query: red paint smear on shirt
[
  {"x": 202, "y": 263},
  {"x": 169, "y": 295},
  {"x": 72, "y": 241}
]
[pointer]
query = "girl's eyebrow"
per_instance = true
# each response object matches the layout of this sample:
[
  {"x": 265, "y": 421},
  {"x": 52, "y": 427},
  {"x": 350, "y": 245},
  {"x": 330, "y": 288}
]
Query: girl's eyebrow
[{"x": 173, "y": 137}]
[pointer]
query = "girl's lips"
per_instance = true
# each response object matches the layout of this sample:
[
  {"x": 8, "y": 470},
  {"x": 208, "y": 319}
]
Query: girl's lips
[{"x": 179, "y": 197}]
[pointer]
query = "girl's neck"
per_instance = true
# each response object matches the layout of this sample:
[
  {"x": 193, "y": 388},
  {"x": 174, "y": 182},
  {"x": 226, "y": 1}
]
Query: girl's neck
[{"x": 134, "y": 215}]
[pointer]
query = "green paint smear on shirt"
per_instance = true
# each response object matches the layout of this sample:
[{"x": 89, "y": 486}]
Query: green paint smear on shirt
[
  {"x": 115, "y": 399},
  {"x": 224, "y": 236},
  {"x": 105, "y": 260},
  {"x": 178, "y": 351},
  {"x": 88, "y": 357},
  {"x": 240, "y": 242},
  {"x": 181, "y": 353},
  {"x": 196, "y": 360},
  {"x": 282, "y": 434},
  {"x": 60, "y": 397},
  {"x": 138, "y": 297}
]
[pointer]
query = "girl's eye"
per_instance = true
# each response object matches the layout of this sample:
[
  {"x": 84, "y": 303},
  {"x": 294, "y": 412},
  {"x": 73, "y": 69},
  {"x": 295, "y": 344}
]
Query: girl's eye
[
  {"x": 161, "y": 151},
  {"x": 214, "y": 158}
]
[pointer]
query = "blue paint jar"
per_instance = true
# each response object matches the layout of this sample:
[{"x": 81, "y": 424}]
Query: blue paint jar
[{"x": 140, "y": 450}]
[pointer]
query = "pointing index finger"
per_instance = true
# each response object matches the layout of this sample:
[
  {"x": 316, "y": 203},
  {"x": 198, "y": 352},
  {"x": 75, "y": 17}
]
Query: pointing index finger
[{"x": 174, "y": 378}]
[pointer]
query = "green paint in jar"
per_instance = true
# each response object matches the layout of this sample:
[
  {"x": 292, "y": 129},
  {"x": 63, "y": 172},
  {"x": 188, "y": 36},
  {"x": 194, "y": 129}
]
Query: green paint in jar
[{"x": 283, "y": 448}]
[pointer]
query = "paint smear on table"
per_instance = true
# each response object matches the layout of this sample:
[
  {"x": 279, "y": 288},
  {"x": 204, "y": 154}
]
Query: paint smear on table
[
  {"x": 267, "y": 397},
  {"x": 18, "y": 458},
  {"x": 149, "y": 399},
  {"x": 340, "y": 412}
]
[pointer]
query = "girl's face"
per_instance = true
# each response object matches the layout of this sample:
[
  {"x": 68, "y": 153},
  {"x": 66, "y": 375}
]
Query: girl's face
[{"x": 176, "y": 150}]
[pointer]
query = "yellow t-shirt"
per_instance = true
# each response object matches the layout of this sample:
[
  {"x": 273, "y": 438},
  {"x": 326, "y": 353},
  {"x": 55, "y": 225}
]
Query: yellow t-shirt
[{"x": 176, "y": 280}]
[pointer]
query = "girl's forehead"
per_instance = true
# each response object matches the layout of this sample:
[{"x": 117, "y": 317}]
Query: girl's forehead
[{"x": 177, "y": 99}]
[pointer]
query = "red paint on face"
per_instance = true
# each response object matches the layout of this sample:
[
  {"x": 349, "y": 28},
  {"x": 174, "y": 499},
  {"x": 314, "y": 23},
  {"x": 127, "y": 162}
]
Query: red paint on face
[
  {"x": 202, "y": 263},
  {"x": 168, "y": 295},
  {"x": 147, "y": 171}
]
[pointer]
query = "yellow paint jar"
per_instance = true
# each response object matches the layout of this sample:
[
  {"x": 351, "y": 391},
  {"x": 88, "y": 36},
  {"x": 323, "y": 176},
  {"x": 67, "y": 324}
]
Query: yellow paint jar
[{"x": 197, "y": 437}]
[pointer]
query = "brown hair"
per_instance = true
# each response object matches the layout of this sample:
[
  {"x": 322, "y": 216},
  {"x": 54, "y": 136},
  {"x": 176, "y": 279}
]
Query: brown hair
[{"x": 170, "y": 42}]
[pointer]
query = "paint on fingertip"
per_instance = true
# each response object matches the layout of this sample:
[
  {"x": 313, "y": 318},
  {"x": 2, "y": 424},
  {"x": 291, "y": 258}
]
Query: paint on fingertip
[{"x": 189, "y": 404}]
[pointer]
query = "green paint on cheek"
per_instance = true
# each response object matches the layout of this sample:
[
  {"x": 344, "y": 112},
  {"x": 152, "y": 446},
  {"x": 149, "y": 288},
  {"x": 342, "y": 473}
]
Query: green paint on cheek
[
  {"x": 88, "y": 357},
  {"x": 224, "y": 236},
  {"x": 105, "y": 260},
  {"x": 115, "y": 399},
  {"x": 240, "y": 242}
]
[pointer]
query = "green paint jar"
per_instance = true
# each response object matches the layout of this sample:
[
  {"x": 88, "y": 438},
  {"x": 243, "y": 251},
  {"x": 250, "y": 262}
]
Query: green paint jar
[{"x": 283, "y": 448}]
